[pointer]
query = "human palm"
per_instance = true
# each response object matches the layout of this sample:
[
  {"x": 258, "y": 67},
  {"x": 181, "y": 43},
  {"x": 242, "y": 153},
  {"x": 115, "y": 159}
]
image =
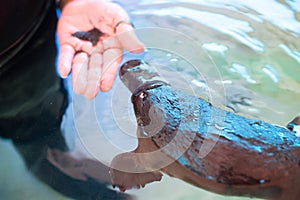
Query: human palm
[{"x": 94, "y": 63}]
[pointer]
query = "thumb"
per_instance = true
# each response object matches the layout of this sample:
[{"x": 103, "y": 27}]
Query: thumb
[
  {"x": 128, "y": 39},
  {"x": 65, "y": 60}
]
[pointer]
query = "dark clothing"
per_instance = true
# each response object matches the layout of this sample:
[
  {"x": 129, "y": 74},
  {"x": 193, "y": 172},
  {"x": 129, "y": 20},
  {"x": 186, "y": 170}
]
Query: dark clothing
[
  {"x": 19, "y": 21},
  {"x": 30, "y": 87},
  {"x": 33, "y": 98}
]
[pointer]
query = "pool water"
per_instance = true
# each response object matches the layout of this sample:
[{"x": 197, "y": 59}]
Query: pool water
[{"x": 243, "y": 56}]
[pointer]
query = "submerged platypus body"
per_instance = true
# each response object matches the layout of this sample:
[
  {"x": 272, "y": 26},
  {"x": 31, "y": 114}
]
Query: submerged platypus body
[{"x": 188, "y": 138}]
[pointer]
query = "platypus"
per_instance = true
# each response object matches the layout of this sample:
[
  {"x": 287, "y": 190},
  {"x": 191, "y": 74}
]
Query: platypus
[{"x": 189, "y": 138}]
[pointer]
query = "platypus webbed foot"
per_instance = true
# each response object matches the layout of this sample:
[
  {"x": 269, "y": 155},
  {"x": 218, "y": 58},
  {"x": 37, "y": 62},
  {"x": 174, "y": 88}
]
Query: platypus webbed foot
[{"x": 128, "y": 172}]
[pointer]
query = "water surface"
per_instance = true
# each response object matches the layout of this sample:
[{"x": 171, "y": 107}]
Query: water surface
[{"x": 244, "y": 55}]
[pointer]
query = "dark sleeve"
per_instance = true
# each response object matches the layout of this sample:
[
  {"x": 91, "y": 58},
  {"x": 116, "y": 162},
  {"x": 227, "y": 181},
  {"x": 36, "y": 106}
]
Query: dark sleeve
[{"x": 18, "y": 21}]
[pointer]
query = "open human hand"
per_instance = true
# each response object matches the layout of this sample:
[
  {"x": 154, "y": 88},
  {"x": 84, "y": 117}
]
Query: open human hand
[{"x": 94, "y": 62}]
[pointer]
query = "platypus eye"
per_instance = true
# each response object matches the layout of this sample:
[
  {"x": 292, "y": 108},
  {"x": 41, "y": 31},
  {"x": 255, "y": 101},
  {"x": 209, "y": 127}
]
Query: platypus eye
[
  {"x": 143, "y": 95},
  {"x": 140, "y": 96}
]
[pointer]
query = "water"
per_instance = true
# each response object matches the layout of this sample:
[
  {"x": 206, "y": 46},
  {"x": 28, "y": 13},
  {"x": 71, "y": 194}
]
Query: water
[{"x": 241, "y": 54}]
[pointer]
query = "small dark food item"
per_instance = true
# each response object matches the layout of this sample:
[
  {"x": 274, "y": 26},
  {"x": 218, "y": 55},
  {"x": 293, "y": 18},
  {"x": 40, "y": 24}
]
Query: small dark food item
[
  {"x": 203, "y": 145},
  {"x": 91, "y": 35}
]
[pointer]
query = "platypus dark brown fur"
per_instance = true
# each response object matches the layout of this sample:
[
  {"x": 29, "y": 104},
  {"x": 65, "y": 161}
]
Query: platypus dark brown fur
[{"x": 188, "y": 138}]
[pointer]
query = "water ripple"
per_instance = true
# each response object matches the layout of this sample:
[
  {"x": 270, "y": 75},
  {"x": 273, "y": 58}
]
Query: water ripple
[
  {"x": 293, "y": 54},
  {"x": 235, "y": 28},
  {"x": 271, "y": 72},
  {"x": 282, "y": 16},
  {"x": 242, "y": 70}
]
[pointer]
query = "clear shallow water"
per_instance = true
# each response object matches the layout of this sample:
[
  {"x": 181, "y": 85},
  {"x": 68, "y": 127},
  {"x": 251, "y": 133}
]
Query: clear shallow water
[
  {"x": 252, "y": 43},
  {"x": 240, "y": 54}
]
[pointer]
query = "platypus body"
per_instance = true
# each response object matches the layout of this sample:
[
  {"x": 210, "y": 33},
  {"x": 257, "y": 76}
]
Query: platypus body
[{"x": 190, "y": 139}]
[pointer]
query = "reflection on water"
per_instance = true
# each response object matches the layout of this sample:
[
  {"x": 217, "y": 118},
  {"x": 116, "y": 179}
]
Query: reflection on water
[{"x": 254, "y": 45}]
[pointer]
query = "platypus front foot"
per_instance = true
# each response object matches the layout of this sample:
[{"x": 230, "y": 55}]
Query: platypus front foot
[{"x": 128, "y": 172}]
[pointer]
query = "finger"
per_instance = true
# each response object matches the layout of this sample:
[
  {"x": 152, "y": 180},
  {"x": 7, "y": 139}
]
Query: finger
[
  {"x": 79, "y": 45},
  {"x": 111, "y": 14},
  {"x": 86, "y": 46},
  {"x": 65, "y": 60},
  {"x": 111, "y": 60},
  {"x": 93, "y": 76},
  {"x": 112, "y": 43},
  {"x": 79, "y": 72},
  {"x": 128, "y": 39},
  {"x": 98, "y": 48},
  {"x": 124, "y": 31}
]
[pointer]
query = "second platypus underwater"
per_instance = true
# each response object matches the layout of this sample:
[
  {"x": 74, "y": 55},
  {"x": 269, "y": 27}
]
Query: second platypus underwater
[{"x": 188, "y": 138}]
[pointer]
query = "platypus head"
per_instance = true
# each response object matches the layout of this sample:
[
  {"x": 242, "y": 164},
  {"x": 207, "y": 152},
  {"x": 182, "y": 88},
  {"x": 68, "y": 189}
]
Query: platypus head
[
  {"x": 142, "y": 103},
  {"x": 148, "y": 110},
  {"x": 135, "y": 73},
  {"x": 148, "y": 97}
]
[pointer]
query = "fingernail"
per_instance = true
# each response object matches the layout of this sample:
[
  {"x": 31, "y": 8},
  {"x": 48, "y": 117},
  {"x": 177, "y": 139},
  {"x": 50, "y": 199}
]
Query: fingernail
[
  {"x": 105, "y": 87},
  {"x": 91, "y": 91}
]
